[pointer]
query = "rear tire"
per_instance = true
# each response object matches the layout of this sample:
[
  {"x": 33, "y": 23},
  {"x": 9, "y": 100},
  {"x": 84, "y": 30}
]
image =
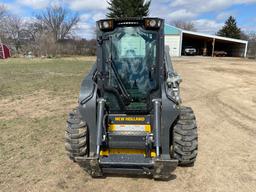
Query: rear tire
[
  {"x": 185, "y": 138},
  {"x": 76, "y": 136}
]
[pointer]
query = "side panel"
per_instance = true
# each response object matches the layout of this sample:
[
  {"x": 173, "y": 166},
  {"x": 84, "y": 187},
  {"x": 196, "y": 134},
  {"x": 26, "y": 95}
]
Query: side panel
[
  {"x": 87, "y": 107},
  {"x": 170, "y": 108},
  {"x": 173, "y": 41},
  {"x": 88, "y": 112},
  {"x": 169, "y": 114},
  {"x": 87, "y": 86}
]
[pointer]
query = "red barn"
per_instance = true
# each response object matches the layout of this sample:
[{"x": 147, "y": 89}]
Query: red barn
[{"x": 5, "y": 52}]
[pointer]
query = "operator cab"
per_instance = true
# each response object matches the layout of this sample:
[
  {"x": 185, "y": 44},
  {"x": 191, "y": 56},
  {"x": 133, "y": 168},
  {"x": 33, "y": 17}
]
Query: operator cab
[{"x": 129, "y": 63}]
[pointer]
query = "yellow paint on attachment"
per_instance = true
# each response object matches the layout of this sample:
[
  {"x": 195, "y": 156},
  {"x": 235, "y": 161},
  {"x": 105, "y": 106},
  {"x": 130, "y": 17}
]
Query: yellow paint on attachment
[
  {"x": 104, "y": 153},
  {"x": 152, "y": 154},
  {"x": 126, "y": 151}
]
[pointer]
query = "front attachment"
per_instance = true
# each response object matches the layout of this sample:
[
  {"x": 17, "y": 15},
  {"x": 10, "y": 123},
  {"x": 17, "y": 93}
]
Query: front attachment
[
  {"x": 128, "y": 144},
  {"x": 128, "y": 164}
]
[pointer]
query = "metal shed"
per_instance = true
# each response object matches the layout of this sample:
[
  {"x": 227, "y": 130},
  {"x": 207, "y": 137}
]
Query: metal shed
[{"x": 205, "y": 44}]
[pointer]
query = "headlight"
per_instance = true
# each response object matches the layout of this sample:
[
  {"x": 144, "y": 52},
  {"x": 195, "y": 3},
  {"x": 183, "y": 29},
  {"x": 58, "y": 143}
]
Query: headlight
[
  {"x": 152, "y": 23},
  {"x": 106, "y": 25}
]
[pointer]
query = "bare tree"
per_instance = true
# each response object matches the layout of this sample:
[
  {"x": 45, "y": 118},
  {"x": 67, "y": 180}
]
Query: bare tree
[
  {"x": 3, "y": 12},
  {"x": 186, "y": 25},
  {"x": 244, "y": 36},
  {"x": 252, "y": 36},
  {"x": 49, "y": 34},
  {"x": 31, "y": 35},
  {"x": 58, "y": 21},
  {"x": 13, "y": 30},
  {"x": 251, "y": 45}
]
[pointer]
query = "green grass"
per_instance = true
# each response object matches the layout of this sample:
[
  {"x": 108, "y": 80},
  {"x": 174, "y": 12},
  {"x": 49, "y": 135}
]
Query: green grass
[
  {"x": 35, "y": 97},
  {"x": 21, "y": 76}
]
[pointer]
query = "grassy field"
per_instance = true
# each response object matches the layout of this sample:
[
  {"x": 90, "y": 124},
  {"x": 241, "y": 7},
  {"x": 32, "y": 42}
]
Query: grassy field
[{"x": 35, "y": 97}]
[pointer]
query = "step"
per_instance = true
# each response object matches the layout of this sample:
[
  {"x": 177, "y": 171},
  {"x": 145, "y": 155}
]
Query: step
[
  {"x": 124, "y": 160},
  {"x": 133, "y": 140}
]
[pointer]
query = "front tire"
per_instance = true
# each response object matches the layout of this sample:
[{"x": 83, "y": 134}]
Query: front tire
[
  {"x": 76, "y": 136},
  {"x": 185, "y": 138}
]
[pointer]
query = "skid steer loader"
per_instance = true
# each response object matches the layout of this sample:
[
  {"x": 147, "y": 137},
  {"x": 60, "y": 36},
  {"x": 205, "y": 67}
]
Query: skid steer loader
[{"x": 130, "y": 119}]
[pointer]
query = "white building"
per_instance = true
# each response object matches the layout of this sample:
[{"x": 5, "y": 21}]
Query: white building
[{"x": 177, "y": 39}]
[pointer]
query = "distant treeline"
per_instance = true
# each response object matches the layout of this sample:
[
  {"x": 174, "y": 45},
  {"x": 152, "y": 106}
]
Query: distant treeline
[{"x": 50, "y": 33}]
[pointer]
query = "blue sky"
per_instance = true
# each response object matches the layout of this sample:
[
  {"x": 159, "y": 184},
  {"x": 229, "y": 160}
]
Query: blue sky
[{"x": 208, "y": 16}]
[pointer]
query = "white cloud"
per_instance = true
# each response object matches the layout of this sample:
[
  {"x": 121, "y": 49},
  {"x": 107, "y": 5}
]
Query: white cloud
[
  {"x": 82, "y": 26},
  {"x": 98, "y": 16},
  {"x": 224, "y": 15},
  {"x": 249, "y": 28},
  {"x": 85, "y": 17},
  {"x": 85, "y": 30},
  {"x": 207, "y": 26},
  {"x": 56, "y": 3},
  {"x": 192, "y": 11},
  {"x": 181, "y": 14},
  {"x": 202, "y": 6},
  {"x": 35, "y": 4},
  {"x": 13, "y": 8},
  {"x": 86, "y": 26},
  {"x": 79, "y": 5}
]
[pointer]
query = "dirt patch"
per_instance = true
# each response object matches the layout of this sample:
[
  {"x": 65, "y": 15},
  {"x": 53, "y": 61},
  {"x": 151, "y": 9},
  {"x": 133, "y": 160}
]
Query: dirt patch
[
  {"x": 36, "y": 105},
  {"x": 232, "y": 71}
]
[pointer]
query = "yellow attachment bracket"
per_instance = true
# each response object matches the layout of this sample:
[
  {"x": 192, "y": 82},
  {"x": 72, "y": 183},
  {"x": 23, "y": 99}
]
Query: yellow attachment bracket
[{"x": 126, "y": 151}]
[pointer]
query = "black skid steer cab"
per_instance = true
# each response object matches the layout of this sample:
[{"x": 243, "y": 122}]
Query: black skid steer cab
[{"x": 130, "y": 119}]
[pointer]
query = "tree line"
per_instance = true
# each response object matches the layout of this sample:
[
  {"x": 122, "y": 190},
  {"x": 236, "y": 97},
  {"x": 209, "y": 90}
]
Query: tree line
[{"x": 49, "y": 33}]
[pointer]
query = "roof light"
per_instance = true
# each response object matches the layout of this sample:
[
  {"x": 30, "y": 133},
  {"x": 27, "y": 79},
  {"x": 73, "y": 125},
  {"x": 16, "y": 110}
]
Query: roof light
[
  {"x": 152, "y": 23},
  {"x": 106, "y": 25}
]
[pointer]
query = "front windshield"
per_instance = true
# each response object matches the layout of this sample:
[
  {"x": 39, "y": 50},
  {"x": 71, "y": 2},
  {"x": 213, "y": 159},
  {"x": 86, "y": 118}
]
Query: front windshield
[{"x": 130, "y": 54}]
